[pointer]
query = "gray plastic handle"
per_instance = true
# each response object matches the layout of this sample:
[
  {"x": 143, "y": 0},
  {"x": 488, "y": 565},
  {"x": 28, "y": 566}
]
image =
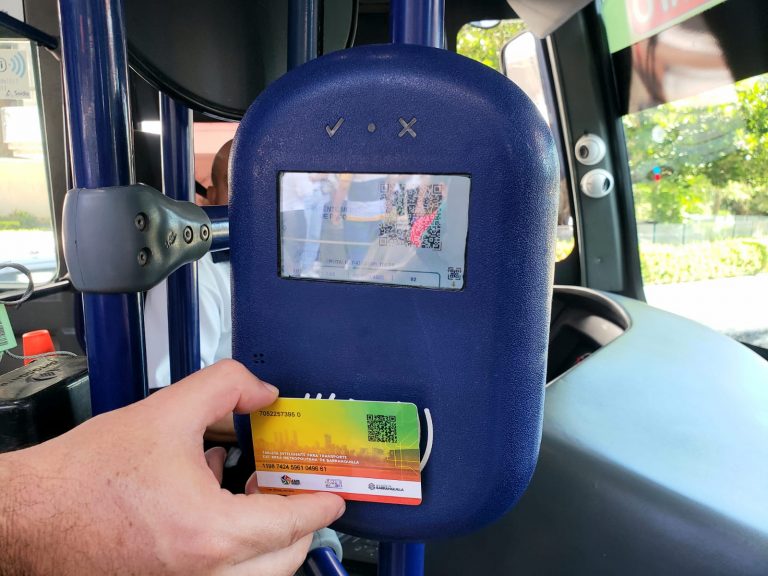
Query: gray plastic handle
[{"x": 129, "y": 238}]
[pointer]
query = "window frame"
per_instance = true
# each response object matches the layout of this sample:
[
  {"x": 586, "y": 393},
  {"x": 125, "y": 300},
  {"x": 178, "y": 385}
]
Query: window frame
[{"x": 566, "y": 270}]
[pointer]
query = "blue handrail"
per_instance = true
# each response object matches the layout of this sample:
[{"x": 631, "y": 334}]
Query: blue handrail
[
  {"x": 323, "y": 562},
  {"x": 411, "y": 22},
  {"x": 179, "y": 184},
  {"x": 96, "y": 83}
]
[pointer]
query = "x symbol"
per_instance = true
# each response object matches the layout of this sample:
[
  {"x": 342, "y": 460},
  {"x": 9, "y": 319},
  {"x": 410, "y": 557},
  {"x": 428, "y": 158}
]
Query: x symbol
[{"x": 407, "y": 128}]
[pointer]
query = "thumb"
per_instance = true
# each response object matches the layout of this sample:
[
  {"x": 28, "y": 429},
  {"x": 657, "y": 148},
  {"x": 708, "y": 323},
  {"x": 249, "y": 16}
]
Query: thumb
[{"x": 207, "y": 396}]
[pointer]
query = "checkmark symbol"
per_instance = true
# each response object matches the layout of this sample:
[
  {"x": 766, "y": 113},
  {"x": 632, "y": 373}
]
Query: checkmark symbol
[{"x": 332, "y": 131}]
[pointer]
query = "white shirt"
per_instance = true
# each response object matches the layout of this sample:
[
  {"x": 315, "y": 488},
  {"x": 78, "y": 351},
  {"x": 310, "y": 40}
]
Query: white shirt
[
  {"x": 215, "y": 297},
  {"x": 294, "y": 187}
]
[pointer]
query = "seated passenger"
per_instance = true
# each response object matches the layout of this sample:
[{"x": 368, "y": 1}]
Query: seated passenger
[{"x": 215, "y": 308}]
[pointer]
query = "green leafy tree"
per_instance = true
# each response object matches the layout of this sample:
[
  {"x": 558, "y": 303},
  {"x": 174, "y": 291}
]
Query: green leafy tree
[
  {"x": 712, "y": 156},
  {"x": 712, "y": 152},
  {"x": 753, "y": 142},
  {"x": 485, "y": 44}
]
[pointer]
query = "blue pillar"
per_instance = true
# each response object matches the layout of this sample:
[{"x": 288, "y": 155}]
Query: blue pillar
[
  {"x": 100, "y": 138},
  {"x": 401, "y": 559},
  {"x": 219, "y": 216},
  {"x": 302, "y": 31},
  {"x": 302, "y": 47},
  {"x": 179, "y": 184},
  {"x": 411, "y": 22},
  {"x": 417, "y": 22},
  {"x": 323, "y": 562}
]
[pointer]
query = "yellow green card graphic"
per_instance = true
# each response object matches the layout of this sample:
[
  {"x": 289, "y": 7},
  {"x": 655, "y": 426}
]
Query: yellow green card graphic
[{"x": 366, "y": 451}]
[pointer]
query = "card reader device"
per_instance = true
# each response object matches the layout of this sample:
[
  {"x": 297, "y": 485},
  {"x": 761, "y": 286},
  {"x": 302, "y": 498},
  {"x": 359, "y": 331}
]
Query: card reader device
[{"x": 392, "y": 239}]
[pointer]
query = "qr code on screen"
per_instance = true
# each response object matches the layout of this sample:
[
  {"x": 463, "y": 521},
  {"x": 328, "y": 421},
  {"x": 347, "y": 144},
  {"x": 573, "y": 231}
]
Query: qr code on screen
[
  {"x": 454, "y": 273},
  {"x": 382, "y": 428},
  {"x": 432, "y": 238}
]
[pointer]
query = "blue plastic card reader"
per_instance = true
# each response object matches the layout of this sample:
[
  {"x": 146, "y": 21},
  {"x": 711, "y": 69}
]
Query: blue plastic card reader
[{"x": 392, "y": 230}]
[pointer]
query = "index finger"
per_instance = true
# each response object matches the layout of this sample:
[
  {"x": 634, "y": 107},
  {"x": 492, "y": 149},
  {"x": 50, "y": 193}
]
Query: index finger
[{"x": 213, "y": 392}]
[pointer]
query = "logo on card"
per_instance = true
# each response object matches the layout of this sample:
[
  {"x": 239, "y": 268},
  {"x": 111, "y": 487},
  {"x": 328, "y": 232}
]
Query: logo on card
[
  {"x": 373, "y": 486},
  {"x": 332, "y": 483},
  {"x": 288, "y": 481}
]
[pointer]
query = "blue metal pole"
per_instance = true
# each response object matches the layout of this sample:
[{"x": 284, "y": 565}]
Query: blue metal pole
[
  {"x": 401, "y": 559},
  {"x": 302, "y": 31},
  {"x": 302, "y": 47},
  {"x": 411, "y": 22},
  {"x": 323, "y": 562},
  {"x": 179, "y": 184},
  {"x": 219, "y": 216},
  {"x": 100, "y": 139},
  {"x": 417, "y": 22}
]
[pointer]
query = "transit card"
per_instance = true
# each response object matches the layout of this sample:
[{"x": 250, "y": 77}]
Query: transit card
[{"x": 367, "y": 451}]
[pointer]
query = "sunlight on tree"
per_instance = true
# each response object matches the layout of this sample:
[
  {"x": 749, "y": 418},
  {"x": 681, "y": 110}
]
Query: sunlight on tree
[
  {"x": 485, "y": 44},
  {"x": 711, "y": 153}
]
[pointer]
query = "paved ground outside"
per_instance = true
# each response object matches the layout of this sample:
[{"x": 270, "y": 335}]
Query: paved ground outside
[
  {"x": 734, "y": 306},
  {"x": 35, "y": 249}
]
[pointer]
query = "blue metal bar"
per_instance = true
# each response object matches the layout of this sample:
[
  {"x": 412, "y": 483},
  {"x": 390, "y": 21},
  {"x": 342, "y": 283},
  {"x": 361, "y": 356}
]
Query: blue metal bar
[
  {"x": 411, "y": 22},
  {"x": 29, "y": 32},
  {"x": 400, "y": 558},
  {"x": 302, "y": 31},
  {"x": 179, "y": 184},
  {"x": 219, "y": 216},
  {"x": 323, "y": 562},
  {"x": 96, "y": 84},
  {"x": 417, "y": 22},
  {"x": 302, "y": 47}
]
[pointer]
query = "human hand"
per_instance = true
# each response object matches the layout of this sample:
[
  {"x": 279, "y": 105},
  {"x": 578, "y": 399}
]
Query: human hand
[
  {"x": 336, "y": 219},
  {"x": 131, "y": 491}
]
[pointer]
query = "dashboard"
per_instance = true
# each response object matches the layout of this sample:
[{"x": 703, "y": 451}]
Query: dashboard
[{"x": 654, "y": 455}]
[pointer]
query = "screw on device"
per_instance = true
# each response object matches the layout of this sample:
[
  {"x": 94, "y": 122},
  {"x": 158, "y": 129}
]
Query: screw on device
[
  {"x": 143, "y": 256},
  {"x": 140, "y": 221}
]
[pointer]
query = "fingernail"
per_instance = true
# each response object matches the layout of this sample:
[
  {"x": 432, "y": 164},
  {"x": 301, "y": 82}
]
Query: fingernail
[
  {"x": 341, "y": 510},
  {"x": 271, "y": 388}
]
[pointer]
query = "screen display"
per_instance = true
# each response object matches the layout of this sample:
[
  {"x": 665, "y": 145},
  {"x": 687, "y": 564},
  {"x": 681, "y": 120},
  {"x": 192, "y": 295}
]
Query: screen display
[{"x": 400, "y": 229}]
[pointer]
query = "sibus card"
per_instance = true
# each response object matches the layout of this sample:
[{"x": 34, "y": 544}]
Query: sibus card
[{"x": 366, "y": 451}]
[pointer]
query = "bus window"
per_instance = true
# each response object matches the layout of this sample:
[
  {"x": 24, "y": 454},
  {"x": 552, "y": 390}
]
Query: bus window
[
  {"x": 26, "y": 230},
  {"x": 506, "y": 46},
  {"x": 699, "y": 170}
]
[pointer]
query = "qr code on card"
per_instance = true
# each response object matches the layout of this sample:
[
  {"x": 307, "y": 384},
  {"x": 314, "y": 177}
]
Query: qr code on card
[{"x": 382, "y": 428}]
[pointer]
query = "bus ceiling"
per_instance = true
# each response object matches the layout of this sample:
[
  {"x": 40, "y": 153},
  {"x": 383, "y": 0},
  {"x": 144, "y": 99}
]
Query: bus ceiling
[{"x": 182, "y": 56}]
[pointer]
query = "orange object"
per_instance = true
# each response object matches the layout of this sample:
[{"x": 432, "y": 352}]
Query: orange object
[{"x": 36, "y": 342}]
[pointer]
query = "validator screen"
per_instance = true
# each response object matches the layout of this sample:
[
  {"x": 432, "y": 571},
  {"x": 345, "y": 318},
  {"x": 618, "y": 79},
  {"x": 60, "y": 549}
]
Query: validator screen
[{"x": 399, "y": 229}]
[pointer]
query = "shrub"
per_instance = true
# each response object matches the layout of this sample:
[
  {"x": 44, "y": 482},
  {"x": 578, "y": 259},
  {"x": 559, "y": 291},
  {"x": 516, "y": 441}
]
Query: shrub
[
  {"x": 563, "y": 248},
  {"x": 672, "y": 264},
  {"x": 21, "y": 220}
]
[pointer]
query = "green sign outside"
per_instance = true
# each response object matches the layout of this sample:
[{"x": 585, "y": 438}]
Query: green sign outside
[{"x": 629, "y": 21}]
